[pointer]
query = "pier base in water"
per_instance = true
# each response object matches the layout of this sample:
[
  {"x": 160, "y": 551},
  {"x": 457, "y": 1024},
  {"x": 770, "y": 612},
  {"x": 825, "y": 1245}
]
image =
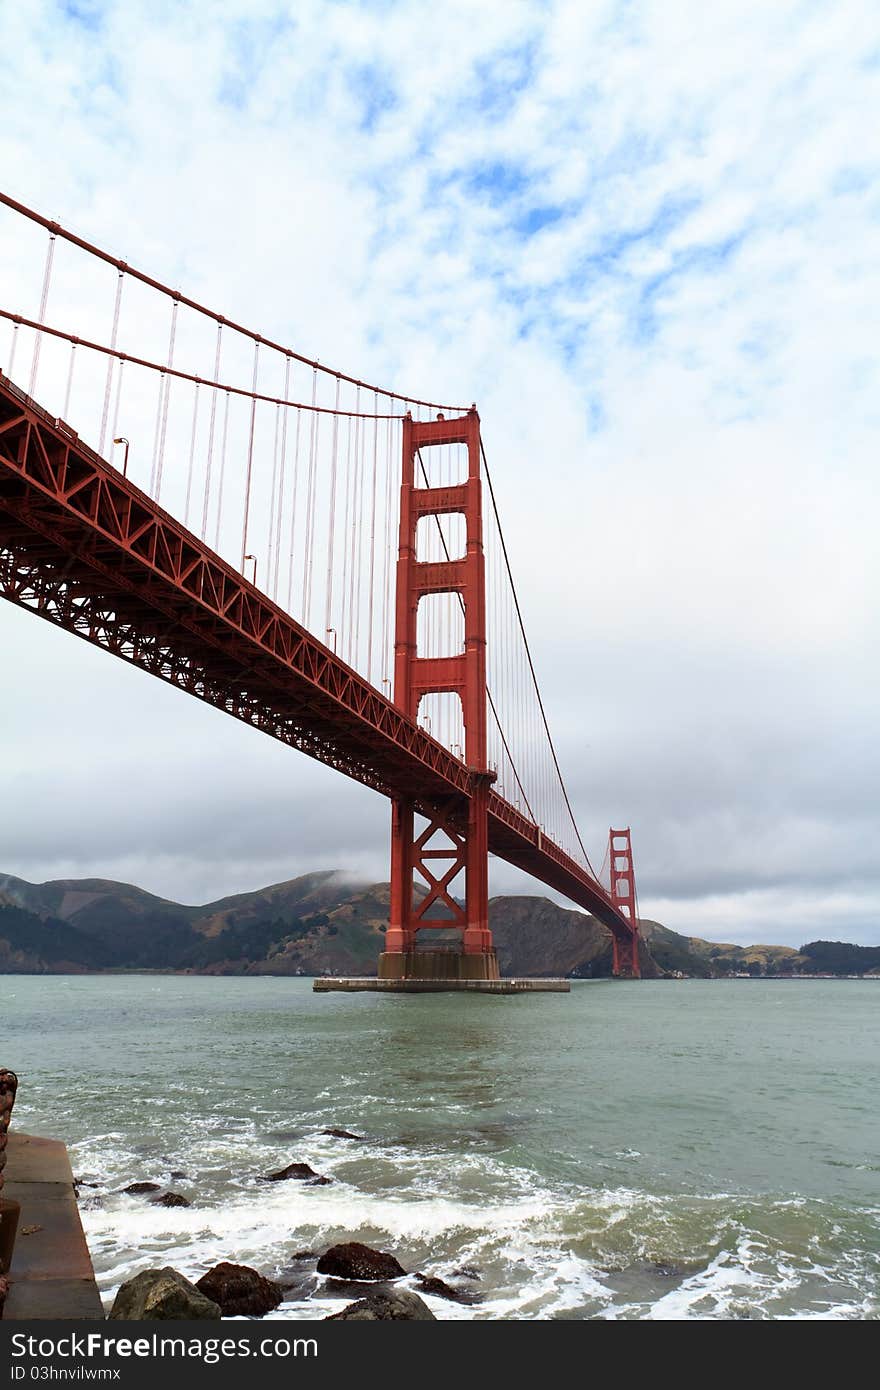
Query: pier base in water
[
  {"x": 437, "y": 972},
  {"x": 326, "y": 984},
  {"x": 438, "y": 965}
]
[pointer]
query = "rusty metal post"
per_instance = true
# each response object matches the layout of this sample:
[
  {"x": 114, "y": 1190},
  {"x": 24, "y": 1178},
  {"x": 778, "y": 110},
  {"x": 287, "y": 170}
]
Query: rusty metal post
[{"x": 9, "y": 1210}]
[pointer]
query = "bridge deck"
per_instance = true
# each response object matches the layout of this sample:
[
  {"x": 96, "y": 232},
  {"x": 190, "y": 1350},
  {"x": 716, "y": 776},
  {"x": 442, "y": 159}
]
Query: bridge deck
[{"x": 86, "y": 549}]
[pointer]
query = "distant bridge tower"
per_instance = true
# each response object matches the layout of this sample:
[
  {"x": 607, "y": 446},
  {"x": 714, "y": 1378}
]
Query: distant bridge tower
[
  {"x": 456, "y": 836},
  {"x": 623, "y": 895}
]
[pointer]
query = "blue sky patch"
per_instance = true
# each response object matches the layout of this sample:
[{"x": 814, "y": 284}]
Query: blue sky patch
[
  {"x": 375, "y": 91},
  {"x": 500, "y": 78},
  {"x": 530, "y": 222},
  {"x": 88, "y": 13},
  {"x": 249, "y": 47},
  {"x": 498, "y": 182}
]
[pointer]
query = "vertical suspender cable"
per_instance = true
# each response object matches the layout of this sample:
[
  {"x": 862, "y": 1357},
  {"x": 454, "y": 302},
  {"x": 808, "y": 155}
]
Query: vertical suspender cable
[
  {"x": 163, "y": 409},
  {"x": 280, "y": 516},
  {"x": 314, "y": 511},
  {"x": 250, "y": 456},
  {"x": 328, "y": 616},
  {"x": 310, "y": 508},
  {"x": 270, "y": 543},
  {"x": 13, "y": 344},
  {"x": 345, "y": 620},
  {"x": 192, "y": 454},
  {"x": 111, "y": 362},
  {"x": 373, "y": 538},
  {"x": 355, "y": 581},
  {"x": 388, "y": 541},
  {"x": 222, "y": 470},
  {"x": 64, "y": 413},
  {"x": 308, "y": 530},
  {"x": 293, "y": 511},
  {"x": 118, "y": 399},
  {"x": 156, "y": 433},
  {"x": 44, "y": 299},
  {"x": 211, "y": 423}
]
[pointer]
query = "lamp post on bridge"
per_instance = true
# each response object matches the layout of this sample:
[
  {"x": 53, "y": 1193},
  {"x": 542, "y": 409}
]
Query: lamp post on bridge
[{"x": 122, "y": 440}]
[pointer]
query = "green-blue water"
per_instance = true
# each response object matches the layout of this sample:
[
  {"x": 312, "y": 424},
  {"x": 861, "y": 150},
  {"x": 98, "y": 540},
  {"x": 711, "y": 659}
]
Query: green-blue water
[{"x": 648, "y": 1150}]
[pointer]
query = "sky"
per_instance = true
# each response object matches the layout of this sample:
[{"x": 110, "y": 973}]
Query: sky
[{"x": 643, "y": 237}]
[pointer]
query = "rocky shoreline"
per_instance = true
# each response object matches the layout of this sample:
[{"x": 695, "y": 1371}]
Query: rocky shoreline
[
  {"x": 366, "y": 1279},
  {"x": 357, "y": 1272}
]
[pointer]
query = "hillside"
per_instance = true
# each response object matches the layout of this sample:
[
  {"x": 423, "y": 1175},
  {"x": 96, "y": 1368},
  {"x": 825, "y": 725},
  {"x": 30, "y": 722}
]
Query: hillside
[
  {"x": 711, "y": 959},
  {"x": 693, "y": 956},
  {"x": 326, "y": 923},
  {"x": 132, "y": 929},
  {"x": 320, "y": 923}
]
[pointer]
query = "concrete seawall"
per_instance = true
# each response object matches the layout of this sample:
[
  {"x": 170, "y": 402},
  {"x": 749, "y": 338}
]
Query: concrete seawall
[{"x": 51, "y": 1274}]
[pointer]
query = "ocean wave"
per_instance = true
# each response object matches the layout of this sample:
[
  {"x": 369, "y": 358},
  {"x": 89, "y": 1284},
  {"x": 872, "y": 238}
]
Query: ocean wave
[{"x": 542, "y": 1252}]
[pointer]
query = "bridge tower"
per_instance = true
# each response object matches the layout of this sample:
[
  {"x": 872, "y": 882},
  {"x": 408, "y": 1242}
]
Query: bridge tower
[
  {"x": 623, "y": 895},
  {"x": 456, "y": 837}
]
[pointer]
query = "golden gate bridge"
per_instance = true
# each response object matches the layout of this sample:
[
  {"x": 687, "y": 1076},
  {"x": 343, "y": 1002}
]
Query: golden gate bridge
[{"x": 318, "y": 556}]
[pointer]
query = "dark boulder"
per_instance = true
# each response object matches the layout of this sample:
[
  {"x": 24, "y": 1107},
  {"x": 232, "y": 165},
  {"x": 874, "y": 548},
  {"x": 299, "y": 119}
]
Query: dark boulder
[
  {"x": 162, "y": 1294},
  {"x": 177, "y": 1176},
  {"x": 319, "y": 1182},
  {"x": 170, "y": 1199},
  {"x": 386, "y": 1305},
  {"x": 240, "y": 1291},
  {"x": 343, "y": 1134},
  {"x": 356, "y": 1261},
  {"x": 300, "y": 1171},
  {"x": 440, "y": 1289},
  {"x": 137, "y": 1189}
]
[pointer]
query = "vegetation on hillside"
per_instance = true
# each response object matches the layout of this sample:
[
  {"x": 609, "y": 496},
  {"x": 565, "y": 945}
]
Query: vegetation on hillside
[
  {"x": 321, "y": 923},
  {"x": 839, "y": 958}
]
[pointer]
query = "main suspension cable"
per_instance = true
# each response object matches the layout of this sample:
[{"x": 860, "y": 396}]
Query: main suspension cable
[
  {"x": 488, "y": 691},
  {"x": 167, "y": 370},
  {"x": 531, "y": 663},
  {"x": 56, "y": 230}
]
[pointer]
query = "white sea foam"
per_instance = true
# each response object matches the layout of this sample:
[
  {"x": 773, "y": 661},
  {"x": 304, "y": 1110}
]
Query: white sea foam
[{"x": 530, "y": 1248}]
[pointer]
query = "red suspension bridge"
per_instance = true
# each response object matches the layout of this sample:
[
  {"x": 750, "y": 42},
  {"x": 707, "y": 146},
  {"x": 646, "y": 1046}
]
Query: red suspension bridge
[{"x": 241, "y": 545}]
